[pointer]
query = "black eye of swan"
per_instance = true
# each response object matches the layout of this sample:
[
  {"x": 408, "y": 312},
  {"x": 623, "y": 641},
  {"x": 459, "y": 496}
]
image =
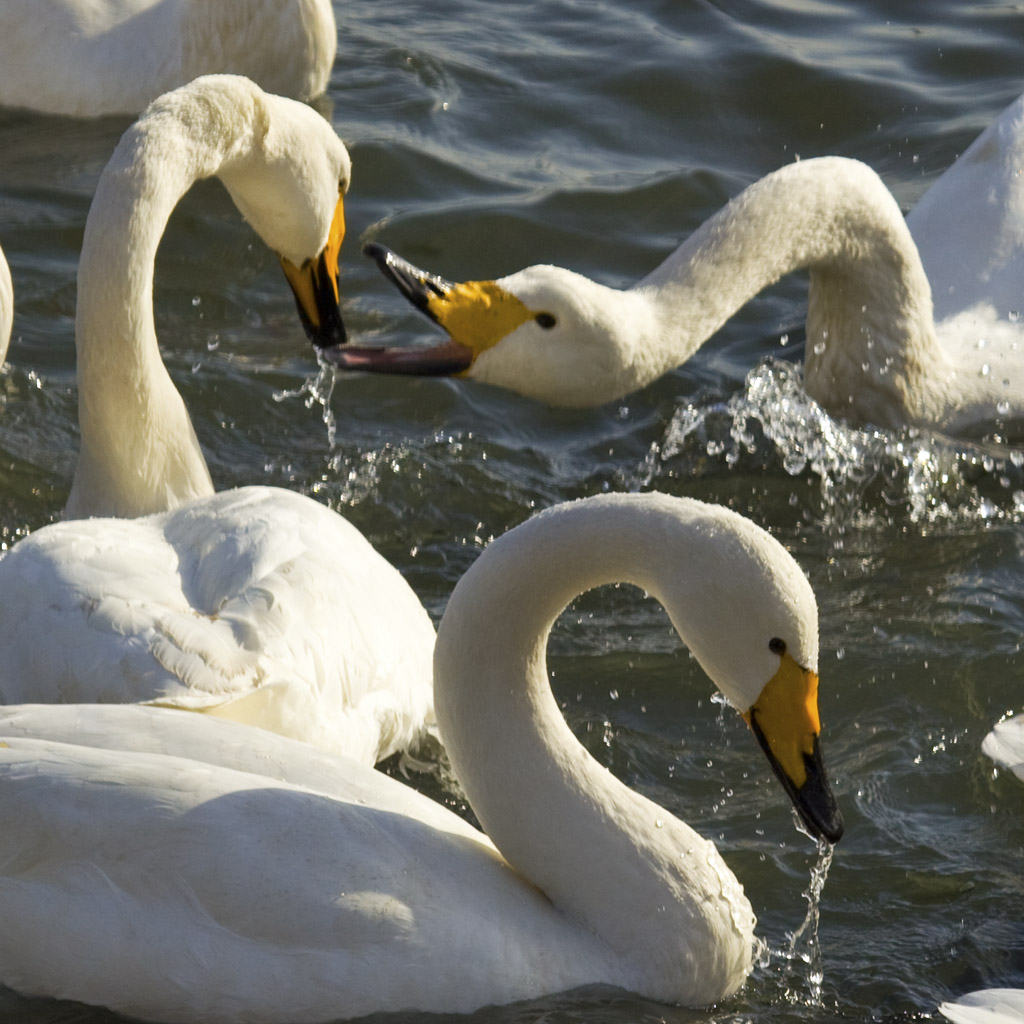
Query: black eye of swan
[
  {"x": 776, "y": 645},
  {"x": 545, "y": 320}
]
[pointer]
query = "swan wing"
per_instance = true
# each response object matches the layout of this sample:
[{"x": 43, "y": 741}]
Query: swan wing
[
  {"x": 969, "y": 225},
  {"x": 257, "y": 604}
]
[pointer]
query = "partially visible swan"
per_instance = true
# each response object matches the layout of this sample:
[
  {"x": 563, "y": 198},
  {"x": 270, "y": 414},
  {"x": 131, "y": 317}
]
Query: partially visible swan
[
  {"x": 969, "y": 228},
  {"x": 874, "y": 351},
  {"x": 6, "y": 306},
  {"x": 987, "y": 1006},
  {"x": 93, "y": 57},
  {"x": 260, "y": 604},
  {"x": 208, "y": 893},
  {"x": 1005, "y": 744}
]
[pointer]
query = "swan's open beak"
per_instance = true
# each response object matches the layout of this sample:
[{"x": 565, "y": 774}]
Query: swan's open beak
[
  {"x": 476, "y": 315},
  {"x": 785, "y": 721},
  {"x": 315, "y": 286}
]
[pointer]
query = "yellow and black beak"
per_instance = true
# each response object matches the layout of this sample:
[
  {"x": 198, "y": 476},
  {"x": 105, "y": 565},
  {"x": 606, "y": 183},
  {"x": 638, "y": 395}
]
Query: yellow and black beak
[
  {"x": 476, "y": 315},
  {"x": 315, "y": 286},
  {"x": 785, "y": 721}
]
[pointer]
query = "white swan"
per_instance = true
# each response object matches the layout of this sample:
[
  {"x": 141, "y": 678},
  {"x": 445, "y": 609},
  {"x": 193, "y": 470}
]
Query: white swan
[
  {"x": 987, "y": 1006},
  {"x": 373, "y": 898},
  {"x": 87, "y": 58},
  {"x": 260, "y": 604},
  {"x": 6, "y": 306},
  {"x": 1005, "y": 744},
  {"x": 874, "y": 351},
  {"x": 286, "y": 171}
]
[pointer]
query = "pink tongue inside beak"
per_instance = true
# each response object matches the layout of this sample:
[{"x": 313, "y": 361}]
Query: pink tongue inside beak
[{"x": 436, "y": 361}]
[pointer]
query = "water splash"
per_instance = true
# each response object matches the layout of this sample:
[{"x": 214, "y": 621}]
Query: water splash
[
  {"x": 804, "y": 947},
  {"x": 798, "y": 965},
  {"x": 316, "y": 391},
  {"x": 861, "y": 473}
]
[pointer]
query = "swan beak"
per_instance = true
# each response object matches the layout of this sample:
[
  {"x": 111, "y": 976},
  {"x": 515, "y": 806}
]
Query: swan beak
[
  {"x": 785, "y": 721},
  {"x": 476, "y": 315},
  {"x": 315, "y": 286}
]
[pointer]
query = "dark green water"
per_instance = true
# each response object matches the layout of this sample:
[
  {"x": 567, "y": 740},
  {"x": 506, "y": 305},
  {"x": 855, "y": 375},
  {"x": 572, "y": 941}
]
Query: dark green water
[{"x": 594, "y": 135}]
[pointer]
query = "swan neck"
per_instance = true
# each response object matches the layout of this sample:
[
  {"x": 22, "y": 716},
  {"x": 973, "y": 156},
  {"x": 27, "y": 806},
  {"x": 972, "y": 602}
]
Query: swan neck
[
  {"x": 617, "y": 862},
  {"x": 139, "y": 453},
  {"x": 869, "y": 302}
]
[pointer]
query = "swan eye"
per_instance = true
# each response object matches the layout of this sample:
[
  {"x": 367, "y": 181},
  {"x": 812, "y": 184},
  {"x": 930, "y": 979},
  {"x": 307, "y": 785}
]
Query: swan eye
[
  {"x": 545, "y": 320},
  {"x": 777, "y": 645}
]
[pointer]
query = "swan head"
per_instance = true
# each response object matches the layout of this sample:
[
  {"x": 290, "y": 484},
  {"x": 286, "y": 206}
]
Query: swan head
[
  {"x": 290, "y": 187},
  {"x": 749, "y": 616},
  {"x": 544, "y": 332}
]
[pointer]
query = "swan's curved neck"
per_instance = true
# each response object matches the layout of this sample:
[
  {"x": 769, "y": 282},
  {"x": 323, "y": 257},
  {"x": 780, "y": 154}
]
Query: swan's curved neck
[
  {"x": 629, "y": 871},
  {"x": 139, "y": 453},
  {"x": 869, "y": 307}
]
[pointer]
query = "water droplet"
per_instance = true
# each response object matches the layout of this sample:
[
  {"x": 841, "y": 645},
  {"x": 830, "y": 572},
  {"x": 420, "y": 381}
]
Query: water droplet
[{"x": 819, "y": 347}]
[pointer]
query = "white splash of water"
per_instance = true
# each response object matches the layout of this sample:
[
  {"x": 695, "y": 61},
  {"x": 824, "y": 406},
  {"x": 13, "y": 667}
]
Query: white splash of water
[{"x": 773, "y": 420}]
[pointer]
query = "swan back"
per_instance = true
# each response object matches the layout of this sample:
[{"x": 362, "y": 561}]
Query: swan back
[
  {"x": 89, "y": 59},
  {"x": 660, "y": 895}
]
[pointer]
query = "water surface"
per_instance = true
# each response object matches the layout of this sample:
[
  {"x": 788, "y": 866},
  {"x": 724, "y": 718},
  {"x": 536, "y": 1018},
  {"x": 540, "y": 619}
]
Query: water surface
[{"x": 596, "y": 135}]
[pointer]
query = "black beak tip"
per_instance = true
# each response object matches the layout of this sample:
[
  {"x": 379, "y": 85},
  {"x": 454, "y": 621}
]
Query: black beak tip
[
  {"x": 377, "y": 252},
  {"x": 829, "y": 826}
]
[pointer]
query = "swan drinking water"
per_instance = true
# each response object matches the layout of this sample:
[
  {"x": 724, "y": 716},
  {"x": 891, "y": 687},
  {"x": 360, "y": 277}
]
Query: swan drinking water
[
  {"x": 258, "y": 604},
  {"x": 875, "y": 352},
  {"x": 87, "y": 58},
  {"x": 153, "y": 838}
]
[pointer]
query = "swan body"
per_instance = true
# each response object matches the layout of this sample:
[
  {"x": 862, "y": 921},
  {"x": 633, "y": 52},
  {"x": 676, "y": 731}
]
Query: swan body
[
  {"x": 876, "y": 353},
  {"x": 257, "y": 604},
  {"x": 987, "y": 1006},
  {"x": 94, "y": 57},
  {"x": 152, "y": 830},
  {"x": 1005, "y": 745}
]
